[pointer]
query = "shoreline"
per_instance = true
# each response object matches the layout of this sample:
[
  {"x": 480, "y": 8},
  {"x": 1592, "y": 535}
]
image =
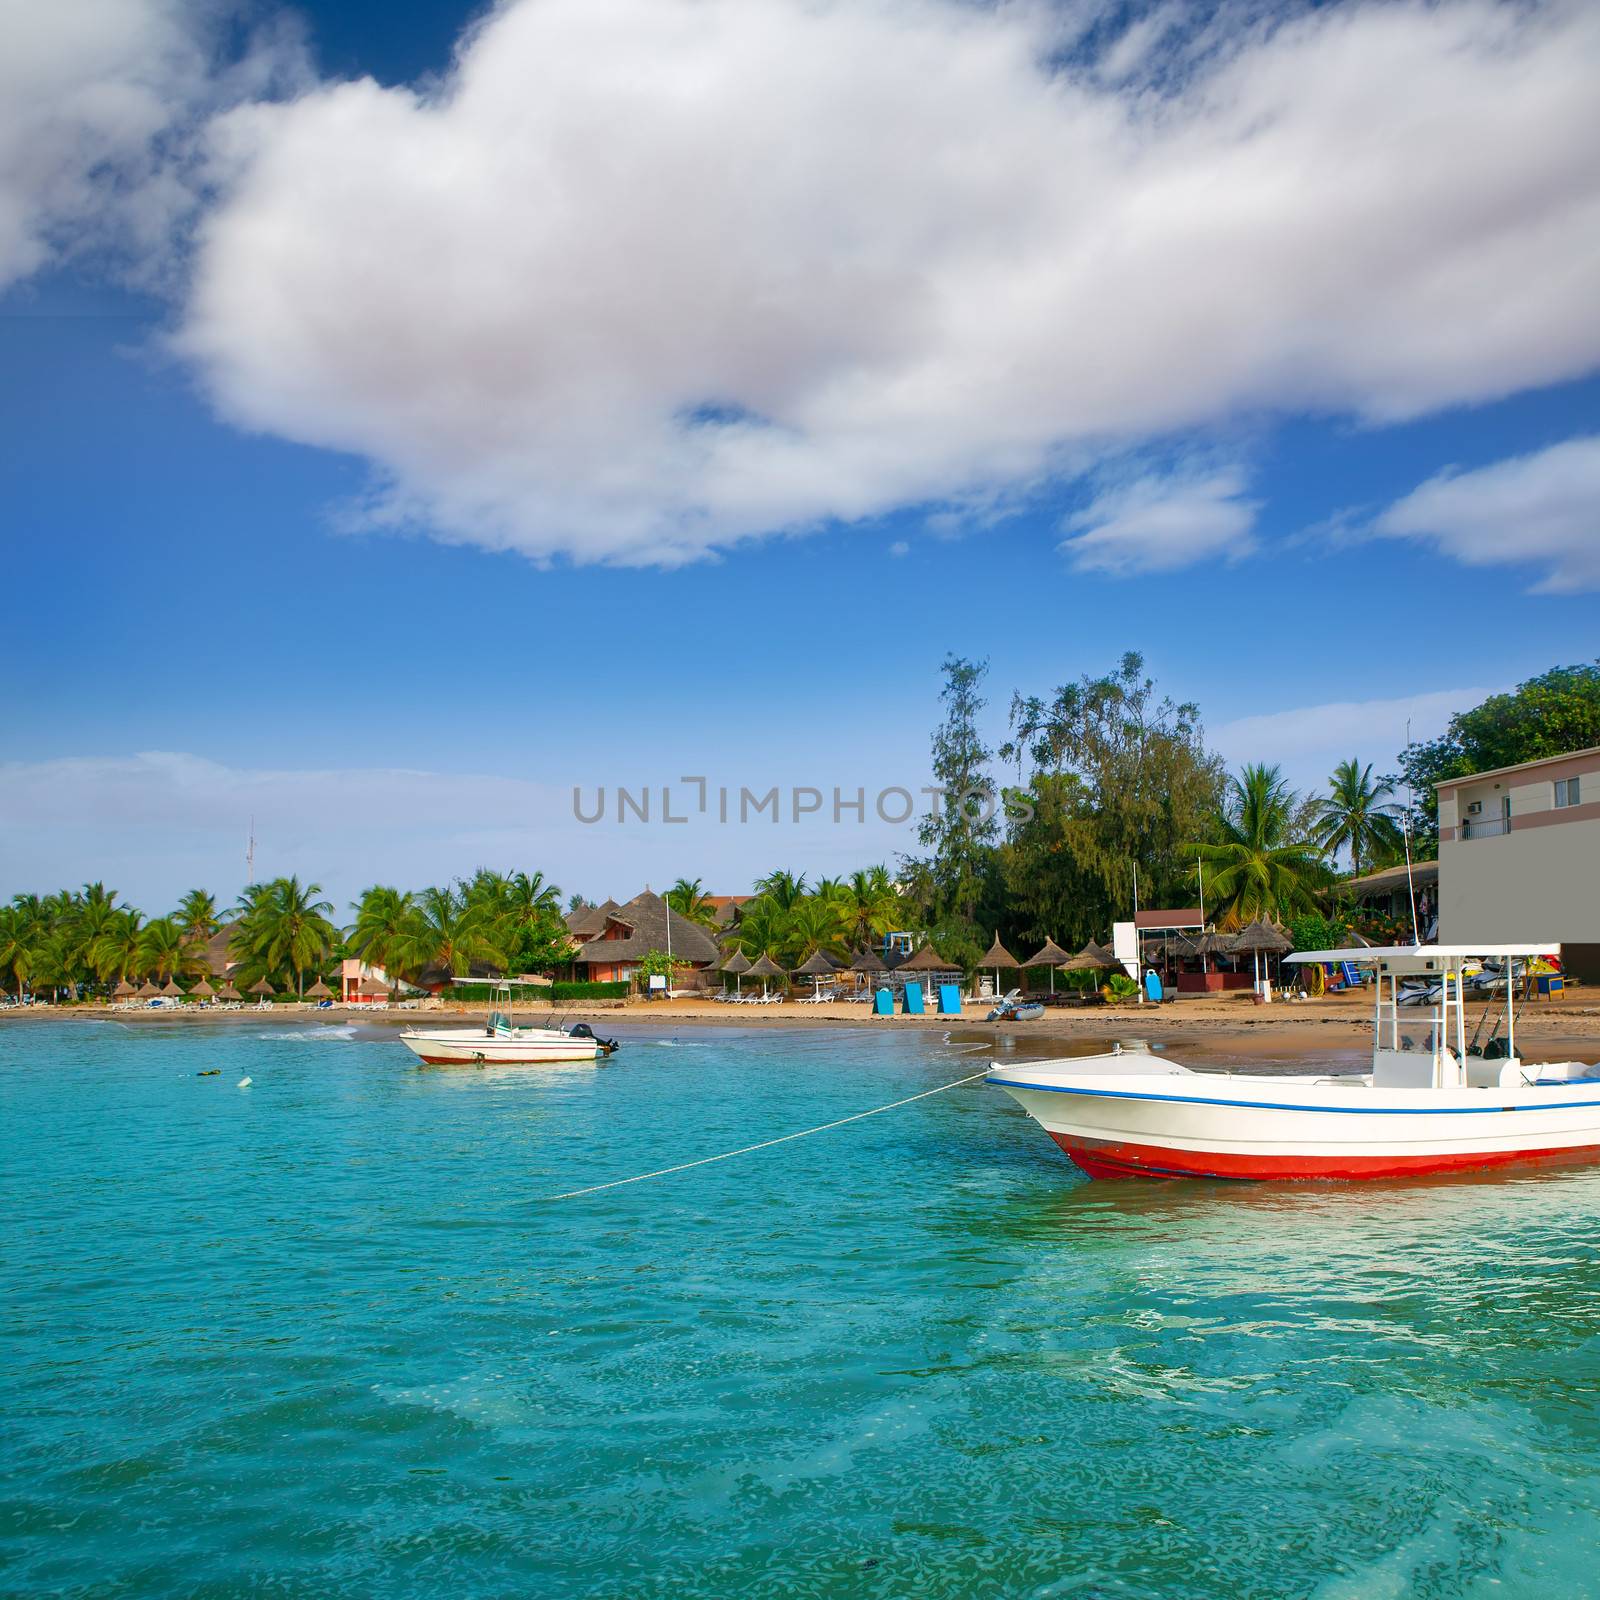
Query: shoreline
[{"x": 1289, "y": 1028}]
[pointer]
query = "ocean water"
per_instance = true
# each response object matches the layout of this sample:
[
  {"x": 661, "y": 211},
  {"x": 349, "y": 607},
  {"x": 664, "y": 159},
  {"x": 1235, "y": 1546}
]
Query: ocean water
[{"x": 326, "y": 1335}]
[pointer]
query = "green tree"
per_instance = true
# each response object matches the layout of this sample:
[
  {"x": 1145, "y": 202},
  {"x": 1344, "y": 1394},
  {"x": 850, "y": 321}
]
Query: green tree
[
  {"x": 1120, "y": 780},
  {"x": 288, "y": 928},
  {"x": 1259, "y": 868},
  {"x": 115, "y": 951},
  {"x": 874, "y": 905},
  {"x": 1357, "y": 815},
  {"x": 784, "y": 889},
  {"x": 688, "y": 900},
  {"x": 166, "y": 951},
  {"x": 197, "y": 916},
  {"x": 385, "y": 923},
  {"x": 1548, "y": 715},
  {"x": 449, "y": 932},
  {"x": 962, "y": 827},
  {"x": 16, "y": 945}
]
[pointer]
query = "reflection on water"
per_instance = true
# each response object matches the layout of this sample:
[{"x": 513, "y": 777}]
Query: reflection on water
[{"x": 327, "y": 1339}]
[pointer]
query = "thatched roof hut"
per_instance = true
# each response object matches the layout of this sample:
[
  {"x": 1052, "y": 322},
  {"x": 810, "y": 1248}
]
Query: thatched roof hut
[
  {"x": 1262, "y": 936},
  {"x": 171, "y": 990},
  {"x": 123, "y": 989},
  {"x": 632, "y": 931},
  {"x": 319, "y": 991},
  {"x": 998, "y": 956},
  {"x": 204, "y": 990},
  {"x": 1092, "y": 958}
]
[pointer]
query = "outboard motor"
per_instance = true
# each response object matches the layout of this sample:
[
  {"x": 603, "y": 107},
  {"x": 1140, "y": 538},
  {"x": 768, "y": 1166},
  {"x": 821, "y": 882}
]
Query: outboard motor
[{"x": 582, "y": 1030}]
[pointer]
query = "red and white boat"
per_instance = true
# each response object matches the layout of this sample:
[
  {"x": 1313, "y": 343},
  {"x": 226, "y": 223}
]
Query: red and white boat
[{"x": 1434, "y": 1100}]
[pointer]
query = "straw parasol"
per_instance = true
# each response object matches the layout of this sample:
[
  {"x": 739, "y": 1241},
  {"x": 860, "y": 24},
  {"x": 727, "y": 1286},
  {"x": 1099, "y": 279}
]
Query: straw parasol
[
  {"x": 1210, "y": 944},
  {"x": 927, "y": 959},
  {"x": 1050, "y": 955},
  {"x": 1260, "y": 939},
  {"x": 868, "y": 961},
  {"x": 171, "y": 990},
  {"x": 261, "y": 987},
  {"x": 372, "y": 989},
  {"x": 764, "y": 967},
  {"x": 123, "y": 989},
  {"x": 738, "y": 964},
  {"x": 228, "y": 992},
  {"x": 817, "y": 968},
  {"x": 147, "y": 990},
  {"x": 319, "y": 991},
  {"x": 997, "y": 956},
  {"x": 204, "y": 990}
]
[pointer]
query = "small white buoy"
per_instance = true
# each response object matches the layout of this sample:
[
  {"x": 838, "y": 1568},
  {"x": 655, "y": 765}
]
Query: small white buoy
[{"x": 244, "y": 1083}]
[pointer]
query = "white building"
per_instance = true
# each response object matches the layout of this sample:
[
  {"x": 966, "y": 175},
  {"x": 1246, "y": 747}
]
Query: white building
[{"x": 1519, "y": 857}]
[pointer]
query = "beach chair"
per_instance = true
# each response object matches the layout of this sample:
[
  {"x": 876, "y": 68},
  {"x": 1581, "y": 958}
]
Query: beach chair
[
  {"x": 913, "y": 1001},
  {"x": 1349, "y": 974},
  {"x": 949, "y": 1000}
]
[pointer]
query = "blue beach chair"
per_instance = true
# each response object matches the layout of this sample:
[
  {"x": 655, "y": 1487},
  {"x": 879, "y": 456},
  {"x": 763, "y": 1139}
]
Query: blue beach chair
[
  {"x": 913, "y": 1005},
  {"x": 949, "y": 1000}
]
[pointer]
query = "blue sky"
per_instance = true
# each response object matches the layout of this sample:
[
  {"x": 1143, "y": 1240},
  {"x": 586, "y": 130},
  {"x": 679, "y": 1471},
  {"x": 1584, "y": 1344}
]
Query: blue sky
[{"x": 210, "y": 621}]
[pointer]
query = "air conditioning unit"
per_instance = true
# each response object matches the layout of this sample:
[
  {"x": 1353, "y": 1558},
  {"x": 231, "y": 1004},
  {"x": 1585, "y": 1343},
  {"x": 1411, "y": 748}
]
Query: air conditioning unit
[{"x": 1475, "y": 809}]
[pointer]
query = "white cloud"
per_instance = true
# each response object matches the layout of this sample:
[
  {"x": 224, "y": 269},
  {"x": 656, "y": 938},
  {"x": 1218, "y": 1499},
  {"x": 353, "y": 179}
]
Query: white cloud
[
  {"x": 900, "y": 548},
  {"x": 1160, "y": 523},
  {"x": 1309, "y": 741},
  {"x": 1541, "y": 509},
  {"x": 98, "y": 102},
  {"x": 641, "y": 278}
]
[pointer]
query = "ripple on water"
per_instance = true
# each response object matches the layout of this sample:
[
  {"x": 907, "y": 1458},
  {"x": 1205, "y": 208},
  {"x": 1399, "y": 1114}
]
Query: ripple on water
[{"x": 326, "y": 1338}]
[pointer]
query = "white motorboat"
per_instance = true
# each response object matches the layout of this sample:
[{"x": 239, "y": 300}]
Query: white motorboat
[
  {"x": 501, "y": 1042},
  {"x": 1434, "y": 1101}
]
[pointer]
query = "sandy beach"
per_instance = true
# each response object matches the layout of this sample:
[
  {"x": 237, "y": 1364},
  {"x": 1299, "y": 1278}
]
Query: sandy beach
[{"x": 1211, "y": 1029}]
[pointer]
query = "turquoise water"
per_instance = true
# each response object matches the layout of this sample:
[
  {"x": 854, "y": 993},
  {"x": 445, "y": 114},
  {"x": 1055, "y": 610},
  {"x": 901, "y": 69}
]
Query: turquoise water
[{"x": 323, "y": 1336}]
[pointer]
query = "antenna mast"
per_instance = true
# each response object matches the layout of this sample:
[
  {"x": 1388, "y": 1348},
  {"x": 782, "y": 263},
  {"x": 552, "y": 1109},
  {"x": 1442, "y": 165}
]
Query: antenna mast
[
  {"x": 1405, "y": 833},
  {"x": 250, "y": 855}
]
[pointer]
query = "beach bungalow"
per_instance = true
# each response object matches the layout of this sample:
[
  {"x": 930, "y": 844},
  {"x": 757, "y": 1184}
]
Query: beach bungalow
[{"x": 628, "y": 933}]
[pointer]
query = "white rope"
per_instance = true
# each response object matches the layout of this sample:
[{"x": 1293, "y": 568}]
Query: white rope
[{"x": 766, "y": 1144}]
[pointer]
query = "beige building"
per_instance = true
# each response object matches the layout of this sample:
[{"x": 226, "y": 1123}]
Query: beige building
[{"x": 1519, "y": 857}]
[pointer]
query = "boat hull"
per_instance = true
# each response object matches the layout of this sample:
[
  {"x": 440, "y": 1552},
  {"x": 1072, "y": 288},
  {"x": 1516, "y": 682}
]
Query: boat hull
[
  {"x": 1301, "y": 1130},
  {"x": 473, "y": 1050}
]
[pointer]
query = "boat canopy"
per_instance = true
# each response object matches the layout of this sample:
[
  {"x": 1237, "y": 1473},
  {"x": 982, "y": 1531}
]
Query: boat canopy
[{"x": 1424, "y": 958}]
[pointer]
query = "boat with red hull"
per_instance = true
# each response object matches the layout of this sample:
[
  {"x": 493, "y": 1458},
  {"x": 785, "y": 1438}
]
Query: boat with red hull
[{"x": 1432, "y": 1103}]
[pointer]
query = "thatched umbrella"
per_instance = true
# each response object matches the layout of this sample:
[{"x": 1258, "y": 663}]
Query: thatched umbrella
[
  {"x": 203, "y": 990},
  {"x": 1211, "y": 944},
  {"x": 817, "y": 968},
  {"x": 927, "y": 959},
  {"x": 997, "y": 956},
  {"x": 738, "y": 964},
  {"x": 319, "y": 991},
  {"x": 261, "y": 988},
  {"x": 171, "y": 990},
  {"x": 228, "y": 992},
  {"x": 372, "y": 989},
  {"x": 1260, "y": 939},
  {"x": 764, "y": 967},
  {"x": 123, "y": 989},
  {"x": 867, "y": 964},
  {"x": 147, "y": 990},
  {"x": 1052, "y": 956}
]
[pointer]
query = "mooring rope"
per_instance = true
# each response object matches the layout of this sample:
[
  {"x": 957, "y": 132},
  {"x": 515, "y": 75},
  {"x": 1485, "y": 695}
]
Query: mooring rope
[{"x": 766, "y": 1144}]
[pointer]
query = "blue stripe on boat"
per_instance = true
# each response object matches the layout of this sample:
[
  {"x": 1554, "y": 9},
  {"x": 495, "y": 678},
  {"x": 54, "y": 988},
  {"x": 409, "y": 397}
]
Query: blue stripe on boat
[{"x": 1273, "y": 1105}]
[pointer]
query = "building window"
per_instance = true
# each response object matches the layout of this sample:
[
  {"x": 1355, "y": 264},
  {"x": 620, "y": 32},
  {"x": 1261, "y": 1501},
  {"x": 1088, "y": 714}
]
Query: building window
[{"x": 1566, "y": 792}]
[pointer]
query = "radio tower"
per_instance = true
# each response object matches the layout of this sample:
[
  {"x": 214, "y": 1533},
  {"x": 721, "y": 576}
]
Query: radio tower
[{"x": 250, "y": 855}]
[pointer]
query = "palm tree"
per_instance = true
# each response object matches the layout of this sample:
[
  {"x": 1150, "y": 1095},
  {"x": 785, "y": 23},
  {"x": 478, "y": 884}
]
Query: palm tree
[
  {"x": 785, "y": 889},
  {"x": 385, "y": 919},
  {"x": 814, "y": 925},
  {"x": 164, "y": 949},
  {"x": 289, "y": 927},
  {"x": 448, "y": 932},
  {"x": 197, "y": 916},
  {"x": 115, "y": 950},
  {"x": 1259, "y": 869},
  {"x": 1354, "y": 816},
  {"x": 874, "y": 904},
  {"x": 686, "y": 898},
  {"x": 16, "y": 945}
]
